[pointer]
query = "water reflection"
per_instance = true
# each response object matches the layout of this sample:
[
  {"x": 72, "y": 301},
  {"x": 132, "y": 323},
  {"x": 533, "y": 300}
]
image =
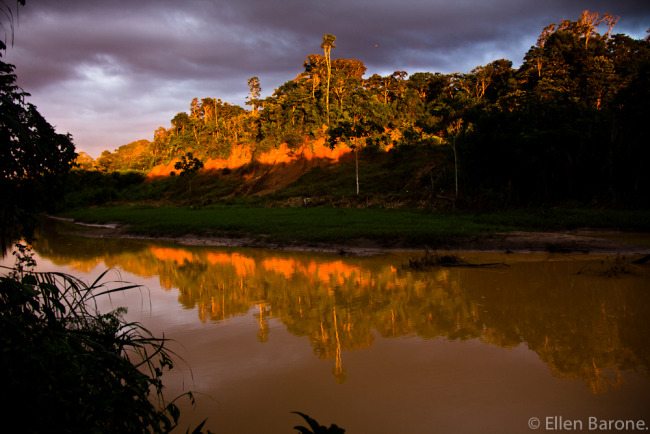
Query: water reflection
[{"x": 583, "y": 326}]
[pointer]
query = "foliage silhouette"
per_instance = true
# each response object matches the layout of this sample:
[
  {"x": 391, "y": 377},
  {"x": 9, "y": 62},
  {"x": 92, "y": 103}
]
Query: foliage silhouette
[
  {"x": 78, "y": 369},
  {"x": 316, "y": 428},
  {"x": 189, "y": 166},
  {"x": 33, "y": 157}
]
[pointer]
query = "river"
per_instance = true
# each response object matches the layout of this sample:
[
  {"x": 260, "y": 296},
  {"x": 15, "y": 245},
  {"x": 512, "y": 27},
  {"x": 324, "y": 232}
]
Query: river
[{"x": 558, "y": 341}]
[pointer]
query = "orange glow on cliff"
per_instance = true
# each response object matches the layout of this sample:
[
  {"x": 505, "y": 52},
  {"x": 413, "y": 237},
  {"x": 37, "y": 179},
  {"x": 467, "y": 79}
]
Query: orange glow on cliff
[{"x": 242, "y": 156}]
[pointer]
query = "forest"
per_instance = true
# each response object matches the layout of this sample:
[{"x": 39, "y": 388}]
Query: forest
[{"x": 567, "y": 126}]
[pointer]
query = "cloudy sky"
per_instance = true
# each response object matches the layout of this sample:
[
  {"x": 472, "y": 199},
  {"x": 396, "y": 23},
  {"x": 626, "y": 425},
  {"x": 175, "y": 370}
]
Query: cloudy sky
[{"x": 112, "y": 71}]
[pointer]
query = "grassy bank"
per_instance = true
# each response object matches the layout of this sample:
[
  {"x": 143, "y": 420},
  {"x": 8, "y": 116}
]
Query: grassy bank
[{"x": 330, "y": 225}]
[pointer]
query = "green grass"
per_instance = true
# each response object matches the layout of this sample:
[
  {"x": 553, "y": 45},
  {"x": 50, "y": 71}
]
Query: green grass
[
  {"x": 410, "y": 227},
  {"x": 381, "y": 175},
  {"x": 292, "y": 224}
]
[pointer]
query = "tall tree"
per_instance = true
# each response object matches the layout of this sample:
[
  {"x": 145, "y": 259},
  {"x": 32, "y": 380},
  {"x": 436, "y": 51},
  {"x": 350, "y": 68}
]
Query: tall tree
[
  {"x": 33, "y": 157},
  {"x": 314, "y": 66},
  {"x": 254, "y": 93},
  {"x": 327, "y": 45},
  {"x": 454, "y": 130},
  {"x": 355, "y": 128},
  {"x": 346, "y": 78}
]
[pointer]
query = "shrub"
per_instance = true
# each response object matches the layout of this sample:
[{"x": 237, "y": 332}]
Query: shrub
[{"x": 69, "y": 368}]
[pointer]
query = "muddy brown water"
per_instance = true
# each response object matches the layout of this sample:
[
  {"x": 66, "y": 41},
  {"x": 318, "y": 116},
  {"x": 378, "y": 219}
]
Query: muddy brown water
[{"x": 555, "y": 341}]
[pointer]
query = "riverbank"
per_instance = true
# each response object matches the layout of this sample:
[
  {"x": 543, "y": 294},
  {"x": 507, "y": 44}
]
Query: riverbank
[
  {"x": 371, "y": 231},
  {"x": 515, "y": 242}
]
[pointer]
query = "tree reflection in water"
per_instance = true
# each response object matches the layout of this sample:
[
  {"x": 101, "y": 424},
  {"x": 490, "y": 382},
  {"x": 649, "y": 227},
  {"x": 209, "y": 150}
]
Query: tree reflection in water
[{"x": 582, "y": 325}]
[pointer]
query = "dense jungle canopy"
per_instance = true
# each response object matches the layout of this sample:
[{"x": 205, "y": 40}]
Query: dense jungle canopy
[{"x": 569, "y": 123}]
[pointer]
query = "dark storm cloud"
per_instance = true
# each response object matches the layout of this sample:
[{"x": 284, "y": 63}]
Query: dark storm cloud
[{"x": 110, "y": 72}]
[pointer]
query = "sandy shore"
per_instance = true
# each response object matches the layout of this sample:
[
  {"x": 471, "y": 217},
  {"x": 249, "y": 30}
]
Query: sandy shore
[{"x": 601, "y": 242}]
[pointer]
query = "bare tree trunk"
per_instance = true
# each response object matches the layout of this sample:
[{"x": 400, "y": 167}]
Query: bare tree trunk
[
  {"x": 455, "y": 167},
  {"x": 329, "y": 75},
  {"x": 356, "y": 160}
]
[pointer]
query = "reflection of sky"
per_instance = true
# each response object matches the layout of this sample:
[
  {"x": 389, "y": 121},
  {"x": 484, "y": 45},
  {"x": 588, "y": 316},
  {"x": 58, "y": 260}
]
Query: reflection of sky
[
  {"x": 145, "y": 303},
  {"x": 401, "y": 384}
]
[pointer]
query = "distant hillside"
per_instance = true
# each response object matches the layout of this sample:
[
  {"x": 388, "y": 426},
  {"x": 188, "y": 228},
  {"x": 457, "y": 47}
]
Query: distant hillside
[
  {"x": 312, "y": 175},
  {"x": 567, "y": 126},
  {"x": 269, "y": 172}
]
